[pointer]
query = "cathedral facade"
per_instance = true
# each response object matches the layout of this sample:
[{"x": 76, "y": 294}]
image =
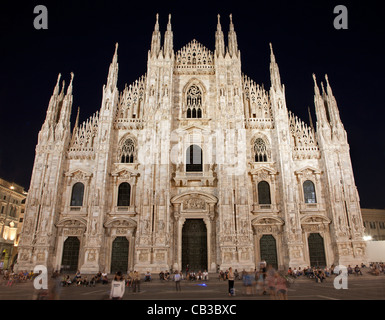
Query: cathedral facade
[{"x": 192, "y": 165}]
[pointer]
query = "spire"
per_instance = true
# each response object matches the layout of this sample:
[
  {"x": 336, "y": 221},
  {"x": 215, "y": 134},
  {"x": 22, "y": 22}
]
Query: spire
[
  {"x": 113, "y": 70},
  {"x": 275, "y": 78},
  {"x": 233, "y": 44},
  {"x": 53, "y": 106},
  {"x": 69, "y": 89},
  {"x": 168, "y": 40},
  {"x": 77, "y": 118},
  {"x": 219, "y": 40},
  {"x": 319, "y": 105},
  {"x": 75, "y": 130},
  {"x": 332, "y": 105},
  {"x": 155, "y": 41},
  {"x": 310, "y": 119},
  {"x": 65, "y": 112},
  {"x": 56, "y": 89}
]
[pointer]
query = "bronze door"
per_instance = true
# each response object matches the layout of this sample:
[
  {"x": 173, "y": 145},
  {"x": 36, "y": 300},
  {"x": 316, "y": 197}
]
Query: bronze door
[
  {"x": 316, "y": 250},
  {"x": 268, "y": 249},
  {"x": 70, "y": 256},
  {"x": 194, "y": 245},
  {"x": 119, "y": 255}
]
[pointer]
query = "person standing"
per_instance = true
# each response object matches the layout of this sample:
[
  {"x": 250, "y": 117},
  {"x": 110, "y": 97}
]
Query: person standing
[
  {"x": 230, "y": 277},
  {"x": 136, "y": 281},
  {"x": 117, "y": 287},
  {"x": 177, "y": 279}
]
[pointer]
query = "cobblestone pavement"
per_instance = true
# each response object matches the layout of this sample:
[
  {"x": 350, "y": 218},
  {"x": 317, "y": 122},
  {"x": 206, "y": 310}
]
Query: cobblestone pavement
[{"x": 365, "y": 287}]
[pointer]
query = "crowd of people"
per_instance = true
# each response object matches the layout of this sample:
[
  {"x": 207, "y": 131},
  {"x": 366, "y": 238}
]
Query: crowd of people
[{"x": 262, "y": 281}]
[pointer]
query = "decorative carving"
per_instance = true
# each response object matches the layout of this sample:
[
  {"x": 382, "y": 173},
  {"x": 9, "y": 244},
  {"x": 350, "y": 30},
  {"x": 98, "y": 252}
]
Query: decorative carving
[
  {"x": 194, "y": 58},
  {"x": 194, "y": 204}
]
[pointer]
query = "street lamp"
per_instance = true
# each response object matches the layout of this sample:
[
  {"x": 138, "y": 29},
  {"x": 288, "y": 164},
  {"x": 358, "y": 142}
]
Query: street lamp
[{"x": 367, "y": 238}]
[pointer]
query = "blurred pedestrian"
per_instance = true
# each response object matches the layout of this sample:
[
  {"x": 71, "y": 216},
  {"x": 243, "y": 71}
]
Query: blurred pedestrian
[
  {"x": 136, "y": 281},
  {"x": 177, "y": 279},
  {"x": 281, "y": 287},
  {"x": 270, "y": 281},
  {"x": 117, "y": 287},
  {"x": 230, "y": 277}
]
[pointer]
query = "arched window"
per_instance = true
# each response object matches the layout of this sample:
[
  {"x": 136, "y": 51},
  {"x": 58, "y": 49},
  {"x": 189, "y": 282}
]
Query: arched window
[
  {"x": 77, "y": 194},
  {"x": 309, "y": 192},
  {"x": 124, "y": 193},
  {"x": 264, "y": 193},
  {"x": 128, "y": 151},
  {"x": 194, "y": 102},
  {"x": 260, "y": 151},
  {"x": 194, "y": 159}
]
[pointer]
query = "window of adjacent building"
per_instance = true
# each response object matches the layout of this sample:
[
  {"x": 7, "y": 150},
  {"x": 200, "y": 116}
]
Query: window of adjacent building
[
  {"x": 372, "y": 225},
  {"x": 194, "y": 102},
  {"x": 124, "y": 193},
  {"x": 194, "y": 159},
  {"x": 309, "y": 192},
  {"x": 128, "y": 151},
  {"x": 260, "y": 151},
  {"x": 381, "y": 225},
  {"x": 77, "y": 194},
  {"x": 264, "y": 193}
]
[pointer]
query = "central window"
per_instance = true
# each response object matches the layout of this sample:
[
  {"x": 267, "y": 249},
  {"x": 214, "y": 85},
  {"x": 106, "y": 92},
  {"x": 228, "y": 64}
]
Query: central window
[
  {"x": 194, "y": 159},
  {"x": 194, "y": 102}
]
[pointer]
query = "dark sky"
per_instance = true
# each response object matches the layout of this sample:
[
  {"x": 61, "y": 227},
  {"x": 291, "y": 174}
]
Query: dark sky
[{"x": 81, "y": 38}]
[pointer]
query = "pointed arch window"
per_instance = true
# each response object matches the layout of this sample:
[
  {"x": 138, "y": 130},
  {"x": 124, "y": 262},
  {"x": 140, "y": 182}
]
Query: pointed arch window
[
  {"x": 264, "y": 193},
  {"x": 194, "y": 102},
  {"x": 124, "y": 194},
  {"x": 77, "y": 194},
  {"x": 309, "y": 192},
  {"x": 260, "y": 150},
  {"x": 194, "y": 159},
  {"x": 127, "y": 152}
]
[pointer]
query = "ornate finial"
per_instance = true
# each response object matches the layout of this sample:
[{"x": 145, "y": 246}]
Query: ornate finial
[
  {"x": 56, "y": 90},
  {"x": 322, "y": 86},
  {"x": 169, "y": 23},
  {"x": 231, "y": 22},
  {"x": 315, "y": 80},
  {"x": 157, "y": 22},
  {"x": 69, "y": 89},
  {"x": 272, "y": 57}
]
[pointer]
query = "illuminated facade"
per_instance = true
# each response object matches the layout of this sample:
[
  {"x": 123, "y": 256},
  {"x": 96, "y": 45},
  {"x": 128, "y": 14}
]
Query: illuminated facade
[{"x": 194, "y": 163}]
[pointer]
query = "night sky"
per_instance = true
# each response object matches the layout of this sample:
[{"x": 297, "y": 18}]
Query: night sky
[{"x": 81, "y": 38}]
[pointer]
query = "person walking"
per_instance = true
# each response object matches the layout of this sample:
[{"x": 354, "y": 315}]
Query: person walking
[
  {"x": 281, "y": 287},
  {"x": 117, "y": 287},
  {"x": 177, "y": 279},
  {"x": 230, "y": 277}
]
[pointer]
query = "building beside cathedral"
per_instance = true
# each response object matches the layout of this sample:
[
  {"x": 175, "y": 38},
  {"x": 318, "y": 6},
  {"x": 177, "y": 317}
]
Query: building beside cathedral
[{"x": 192, "y": 164}]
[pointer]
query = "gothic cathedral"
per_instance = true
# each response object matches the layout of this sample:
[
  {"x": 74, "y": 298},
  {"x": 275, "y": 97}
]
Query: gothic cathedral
[{"x": 193, "y": 164}]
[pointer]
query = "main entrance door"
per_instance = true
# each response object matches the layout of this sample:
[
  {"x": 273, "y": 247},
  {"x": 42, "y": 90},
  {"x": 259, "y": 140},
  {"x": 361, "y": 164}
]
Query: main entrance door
[
  {"x": 316, "y": 250},
  {"x": 70, "y": 256},
  {"x": 119, "y": 255},
  {"x": 268, "y": 248},
  {"x": 194, "y": 245}
]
